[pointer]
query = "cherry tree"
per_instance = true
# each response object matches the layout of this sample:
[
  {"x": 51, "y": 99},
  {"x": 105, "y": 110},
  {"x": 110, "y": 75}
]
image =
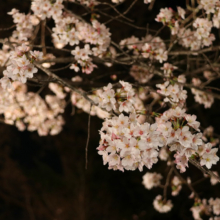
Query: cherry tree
[{"x": 144, "y": 109}]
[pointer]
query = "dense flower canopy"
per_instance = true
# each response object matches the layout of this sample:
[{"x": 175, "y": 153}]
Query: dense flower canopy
[{"x": 145, "y": 112}]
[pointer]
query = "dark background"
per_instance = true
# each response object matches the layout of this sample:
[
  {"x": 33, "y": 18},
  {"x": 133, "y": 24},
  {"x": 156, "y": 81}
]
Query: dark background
[{"x": 43, "y": 178}]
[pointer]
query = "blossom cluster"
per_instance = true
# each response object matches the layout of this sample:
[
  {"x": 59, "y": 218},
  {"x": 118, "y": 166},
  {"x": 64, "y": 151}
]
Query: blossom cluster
[
  {"x": 204, "y": 208},
  {"x": 208, "y": 136},
  {"x": 132, "y": 136},
  {"x": 83, "y": 104},
  {"x": 174, "y": 128},
  {"x": 122, "y": 100},
  {"x": 4, "y": 55},
  {"x": 195, "y": 39},
  {"x": 98, "y": 96},
  {"x": 77, "y": 100},
  {"x": 203, "y": 34},
  {"x": 82, "y": 57},
  {"x": 141, "y": 74},
  {"x": 20, "y": 66},
  {"x": 97, "y": 35},
  {"x": 69, "y": 30},
  {"x": 151, "y": 180},
  {"x": 209, "y": 6},
  {"x": 176, "y": 186},
  {"x": 45, "y": 9},
  {"x": 213, "y": 180},
  {"x": 154, "y": 49},
  {"x": 121, "y": 97},
  {"x": 164, "y": 153},
  {"x": 28, "y": 110},
  {"x": 171, "y": 18},
  {"x": 126, "y": 144},
  {"x": 172, "y": 89},
  {"x": 24, "y": 25},
  {"x": 201, "y": 97},
  {"x": 161, "y": 205},
  {"x": 65, "y": 32},
  {"x": 181, "y": 133},
  {"x": 212, "y": 7},
  {"x": 200, "y": 208}
]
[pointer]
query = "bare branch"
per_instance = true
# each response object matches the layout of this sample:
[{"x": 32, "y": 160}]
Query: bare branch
[
  {"x": 167, "y": 182},
  {"x": 7, "y": 29},
  {"x": 203, "y": 169},
  {"x": 43, "y": 24},
  {"x": 186, "y": 183},
  {"x": 64, "y": 83}
]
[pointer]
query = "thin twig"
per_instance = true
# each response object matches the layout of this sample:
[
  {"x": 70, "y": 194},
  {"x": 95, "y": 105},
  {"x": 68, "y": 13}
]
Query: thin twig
[
  {"x": 209, "y": 49},
  {"x": 120, "y": 14},
  {"x": 43, "y": 24},
  {"x": 186, "y": 183},
  {"x": 167, "y": 182},
  {"x": 199, "y": 181},
  {"x": 7, "y": 29},
  {"x": 203, "y": 169},
  {"x": 64, "y": 83},
  {"x": 210, "y": 64},
  {"x": 116, "y": 17},
  {"x": 151, "y": 5},
  {"x": 53, "y": 48},
  {"x": 62, "y": 68},
  {"x": 213, "y": 88},
  {"x": 88, "y": 137}
]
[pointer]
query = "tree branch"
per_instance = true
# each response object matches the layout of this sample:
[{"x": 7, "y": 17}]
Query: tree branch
[{"x": 203, "y": 169}]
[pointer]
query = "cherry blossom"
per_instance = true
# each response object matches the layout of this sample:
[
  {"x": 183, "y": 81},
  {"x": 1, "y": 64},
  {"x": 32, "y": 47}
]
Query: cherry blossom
[
  {"x": 143, "y": 120},
  {"x": 151, "y": 180},
  {"x": 162, "y": 206},
  {"x": 20, "y": 67}
]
